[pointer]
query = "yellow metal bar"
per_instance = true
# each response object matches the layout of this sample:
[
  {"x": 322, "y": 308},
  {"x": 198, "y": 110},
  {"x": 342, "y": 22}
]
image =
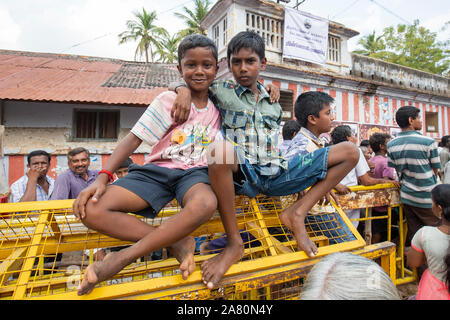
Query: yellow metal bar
[
  {"x": 349, "y": 224},
  {"x": 261, "y": 222},
  {"x": 36, "y": 206},
  {"x": 12, "y": 263},
  {"x": 24, "y": 276}
]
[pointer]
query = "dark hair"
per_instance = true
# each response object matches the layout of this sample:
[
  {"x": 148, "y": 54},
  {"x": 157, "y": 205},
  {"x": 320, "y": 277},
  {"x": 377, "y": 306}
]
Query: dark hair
[
  {"x": 38, "y": 153},
  {"x": 290, "y": 128},
  {"x": 76, "y": 151},
  {"x": 247, "y": 39},
  {"x": 310, "y": 103},
  {"x": 441, "y": 196},
  {"x": 340, "y": 133},
  {"x": 364, "y": 143},
  {"x": 404, "y": 113},
  {"x": 444, "y": 141},
  {"x": 378, "y": 138},
  {"x": 195, "y": 41},
  {"x": 126, "y": 163}
]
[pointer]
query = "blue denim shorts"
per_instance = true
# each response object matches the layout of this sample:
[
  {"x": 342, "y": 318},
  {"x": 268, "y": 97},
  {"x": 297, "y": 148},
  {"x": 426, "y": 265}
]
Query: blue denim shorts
[
  {"x": 301, "y": 173},
  {"x": 158, "y": 185}
]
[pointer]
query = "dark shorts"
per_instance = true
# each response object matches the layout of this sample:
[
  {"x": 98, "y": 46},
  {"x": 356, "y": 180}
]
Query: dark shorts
[
  {"x": 301, "y": 173},
  {"x": 416, "y": 218},
  {"x": 159, "y": 185}
]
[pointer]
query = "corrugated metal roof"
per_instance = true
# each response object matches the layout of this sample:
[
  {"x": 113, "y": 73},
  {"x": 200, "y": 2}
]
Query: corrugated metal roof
[{"x": 76, "y": 79}]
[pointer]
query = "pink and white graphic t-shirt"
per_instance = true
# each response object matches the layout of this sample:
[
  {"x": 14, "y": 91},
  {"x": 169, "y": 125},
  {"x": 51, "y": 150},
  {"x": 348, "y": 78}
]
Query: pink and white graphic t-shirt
[{"x": 177, "y": 146}]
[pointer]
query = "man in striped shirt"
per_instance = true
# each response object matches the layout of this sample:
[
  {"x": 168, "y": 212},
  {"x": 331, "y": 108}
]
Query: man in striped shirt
[{"x": 416, "y": 160}]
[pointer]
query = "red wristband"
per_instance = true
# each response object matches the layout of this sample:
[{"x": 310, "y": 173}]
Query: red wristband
[{"x": 109, "y": 174}]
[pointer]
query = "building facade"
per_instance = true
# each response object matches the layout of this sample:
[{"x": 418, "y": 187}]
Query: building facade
[{"x": 367, "y": 91}]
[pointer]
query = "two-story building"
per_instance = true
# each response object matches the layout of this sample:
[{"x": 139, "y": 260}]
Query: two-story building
[
  {"x": 57, "y": 102},
  {"x": 367, "y": 91}
]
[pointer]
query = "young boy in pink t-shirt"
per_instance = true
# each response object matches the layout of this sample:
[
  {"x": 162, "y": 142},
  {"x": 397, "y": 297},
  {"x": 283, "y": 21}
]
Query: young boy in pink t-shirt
[{"x": 176, "y": 168}]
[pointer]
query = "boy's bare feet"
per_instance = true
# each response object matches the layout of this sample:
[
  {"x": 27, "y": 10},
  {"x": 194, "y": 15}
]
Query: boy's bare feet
[
  {"x": 183, "y": 251},
  {"x": 97, "y": 272},
  {"x": 213, "y": 269},
  {"x": 296, "y": 223}
]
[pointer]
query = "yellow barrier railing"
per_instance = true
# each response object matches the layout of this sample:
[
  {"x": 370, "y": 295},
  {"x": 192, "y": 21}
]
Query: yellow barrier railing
[
  {"x": 368, "y": 197},
  {"x": 44, "y": 251}
]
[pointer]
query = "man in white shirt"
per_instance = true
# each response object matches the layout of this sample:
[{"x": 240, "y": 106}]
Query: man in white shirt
[
  {"x": 35, "y": 185},
  {"x": 360, "y": 171}
]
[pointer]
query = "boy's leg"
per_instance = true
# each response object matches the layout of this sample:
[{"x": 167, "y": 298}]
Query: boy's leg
[
  {"x": 222, "y": 165},
  {"x": 108, "y": 215},
  {"x": 199, "y": 204},
  {"x": 342, "y": 158}
]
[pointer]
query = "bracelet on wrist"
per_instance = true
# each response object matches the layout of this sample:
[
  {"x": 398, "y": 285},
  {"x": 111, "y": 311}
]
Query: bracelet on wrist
[{"x": 108, "y": 173}]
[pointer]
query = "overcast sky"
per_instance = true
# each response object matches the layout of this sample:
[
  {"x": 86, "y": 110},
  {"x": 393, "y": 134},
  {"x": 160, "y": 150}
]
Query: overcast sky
[{"x": 91, "y": 27}]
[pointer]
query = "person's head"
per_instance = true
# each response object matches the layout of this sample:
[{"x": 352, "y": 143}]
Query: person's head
[
  {"x": 342, "y": 133},
  {"x": 197, "y": 62},
  {"x": 346, "y": 276},
  {"x": 366, "y": 149},
  {"x": 122, "y": 171},
  {"x": 312, "y": 110},
  {"x": 78, "y": 160},
  {"x": 445, "y": 142},
  {"x": 39, "y": 160},
  {"x": 441, "y": 201},
  {"x": 366, "y": 152},
  {"x": 246, "y": 57},
  {"x": 378, "y": 142},
  {"x": 290, "y": 129},
  {"x": 409, "y": 117}
]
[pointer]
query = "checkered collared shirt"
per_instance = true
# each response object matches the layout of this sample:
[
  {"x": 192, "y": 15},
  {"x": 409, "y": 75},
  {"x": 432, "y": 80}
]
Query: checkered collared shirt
[
  {"x": 18, "y": 189},
  {"x": 253, "y": 126},
  {"x": 303, "y": 143}
]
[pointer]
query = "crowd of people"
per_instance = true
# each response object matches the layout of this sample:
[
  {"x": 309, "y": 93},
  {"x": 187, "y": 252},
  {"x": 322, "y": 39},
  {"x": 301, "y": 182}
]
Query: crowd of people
[{"x": 213, "y": 139}]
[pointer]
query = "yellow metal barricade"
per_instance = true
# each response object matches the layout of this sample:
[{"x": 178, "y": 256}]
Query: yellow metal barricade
[
  {"x": 362, "y": 197},
  {"x": 44, "y": 251}
]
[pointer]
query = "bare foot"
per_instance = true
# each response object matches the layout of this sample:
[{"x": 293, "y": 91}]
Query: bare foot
[
  {"x": 213, "y": 269},
  {"x": 296, "y": 223},
  {"x": 183, "y": 251},
  {"x": 99, "y": 271},
  {"x": 99, "y": 255}
]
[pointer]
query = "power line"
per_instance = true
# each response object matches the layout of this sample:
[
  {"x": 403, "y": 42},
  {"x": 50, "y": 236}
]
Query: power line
[
  {"x": 393, "y": 13},
  {"x": 107, "y": 34},
  {"x": 348, "y": 7},
  {"x": 87, "y": 41},
  {"x": 168, "y": 10}
]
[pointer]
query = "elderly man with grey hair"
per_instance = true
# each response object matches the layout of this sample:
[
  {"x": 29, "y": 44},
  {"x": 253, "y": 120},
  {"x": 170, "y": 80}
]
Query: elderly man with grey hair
[{"x": 346, "y": 276}]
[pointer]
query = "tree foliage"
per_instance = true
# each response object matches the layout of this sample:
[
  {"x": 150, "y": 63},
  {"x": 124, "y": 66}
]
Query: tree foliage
[
  {"x": 143, "y": 30},
  {"x": 194, "y": 17},
  {"x": 411, "y": 45},
  {"x": 168, "y": 49}
]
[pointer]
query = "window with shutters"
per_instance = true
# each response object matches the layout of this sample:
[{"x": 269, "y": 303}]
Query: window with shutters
[
  {"x": 96, "y": 124},
  {"x": 431, "y": 122},
  {"x": 287, "y": 104},
  {"x": 334, "y": 49},
  {"x": 216, "y": 35},
  {"x": 225, "y": 31},
  {"x": 268, "y": 28}
]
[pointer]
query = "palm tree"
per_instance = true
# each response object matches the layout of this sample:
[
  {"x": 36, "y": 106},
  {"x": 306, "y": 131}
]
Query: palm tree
[
  {"x": 193, "y": 18},
  {"x": 372, "y": 45},
  {"x": 168, "y": 50},
  {"x": 144, "y": 30}
]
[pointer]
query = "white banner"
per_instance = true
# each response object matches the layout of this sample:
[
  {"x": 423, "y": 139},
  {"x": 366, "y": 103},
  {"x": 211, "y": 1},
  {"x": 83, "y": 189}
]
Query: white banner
[{"x": 305, "y": 36}]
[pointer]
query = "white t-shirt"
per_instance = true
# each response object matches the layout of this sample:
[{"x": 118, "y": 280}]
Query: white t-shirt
[{"x": 351, "y": 179}]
